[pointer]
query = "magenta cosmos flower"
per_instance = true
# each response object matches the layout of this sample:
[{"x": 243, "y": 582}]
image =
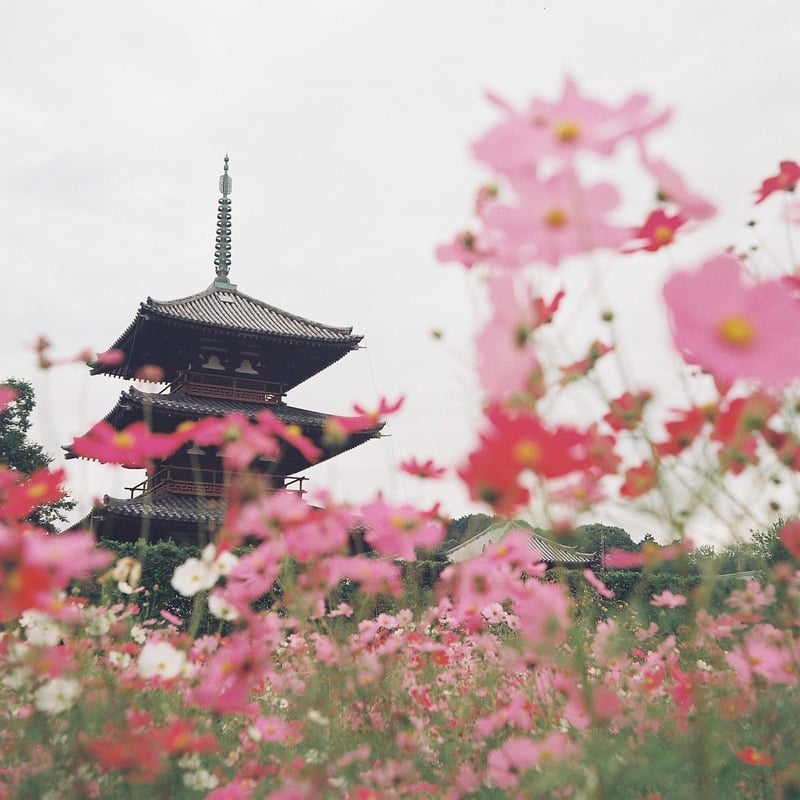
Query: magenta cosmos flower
[{"x": 733, "y": 328}]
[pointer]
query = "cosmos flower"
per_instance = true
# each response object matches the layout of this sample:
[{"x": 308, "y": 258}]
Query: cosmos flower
[
  {"x": 732, "y": 328},
  {"x": 786, "y": 179}
]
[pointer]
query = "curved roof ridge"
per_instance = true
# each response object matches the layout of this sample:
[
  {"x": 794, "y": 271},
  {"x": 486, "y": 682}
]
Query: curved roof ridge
[
  {"x": 221, "y": 407},
  {"x": 237, "y": 299},
  {"x": 549, "y": 549}
]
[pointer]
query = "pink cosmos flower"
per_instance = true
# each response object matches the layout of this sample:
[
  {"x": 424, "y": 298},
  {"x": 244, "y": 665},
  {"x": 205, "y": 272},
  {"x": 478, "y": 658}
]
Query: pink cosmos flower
[
  {"x": 464, "y": 248},
  {"x": 240, "y": 440},
  {"x": 668, "y": 600},
  {"x": 554, "y": 218},
  {"x": 563, "y": 128},
  {"x": 767, "y": 654},
  {"x": 134, "y": 446},
  {"x": 518, "y": 754},
  {"x": 325, "y": 531},
  {"x": 422, "y": 469},
  {"x": 271, "y": 729},
  {"x": 601, "y": 588},
  {"x": 374, "y": 575},
  {"x": 754, "y": 758},
  {"x": 110, "y": 358},
  {"x": 397, "y": 531},
  {"x": 581, "y": 491},
  {"x": 544, "y": 611},
  {"x": 507, "y": 361},
  {"x": 672, "y": 188},
  {"x": 790, "y": 538},
  {"x": 650, "y": 555},
  {"x": 18, "y": 499},
  {"x": 735, "y": 329},
  {"x": 583, "y": 366},
  {"x": 639, "y": 480},
  {"x": 658, "y": 231},
  {"x": 785, "y": 180},
  {"x": 337, "y": 429},
  {"x": 291, "y": 434},
  {"x": 7, "y": 395}
]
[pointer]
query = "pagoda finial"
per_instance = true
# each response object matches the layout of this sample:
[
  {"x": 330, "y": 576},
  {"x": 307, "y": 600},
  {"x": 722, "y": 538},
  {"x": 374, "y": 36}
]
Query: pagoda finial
[{"x": 222, "y": 249}]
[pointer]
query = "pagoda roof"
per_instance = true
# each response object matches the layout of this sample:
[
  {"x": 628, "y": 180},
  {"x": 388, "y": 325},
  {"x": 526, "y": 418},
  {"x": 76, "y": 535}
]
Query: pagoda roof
[
  {"x": 230, "y": 309},
  {"x": 135, "y": 405},
  {"x": 167, "y": 506},
  {"x": 222, "y": 311},
  {"x": 186, "y": 519},
  {"x": 188, "y": 406},
  {"x": 547, "y": 550}
]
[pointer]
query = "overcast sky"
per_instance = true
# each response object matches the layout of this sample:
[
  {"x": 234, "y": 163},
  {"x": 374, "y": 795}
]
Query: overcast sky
[{"x": 348, "y": 125}]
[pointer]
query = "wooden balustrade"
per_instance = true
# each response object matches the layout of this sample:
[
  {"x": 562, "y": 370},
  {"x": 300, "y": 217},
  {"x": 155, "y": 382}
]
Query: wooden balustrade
[
  {"x": 205, "y": 483},
  {"x": 227, "y": 388}
]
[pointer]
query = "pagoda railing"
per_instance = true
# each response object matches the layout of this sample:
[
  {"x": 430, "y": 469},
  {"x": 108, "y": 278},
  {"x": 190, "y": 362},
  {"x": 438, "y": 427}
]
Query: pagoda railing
[
  {"x": 205, "y": 483},
  {"x": 227, "y": 388}
]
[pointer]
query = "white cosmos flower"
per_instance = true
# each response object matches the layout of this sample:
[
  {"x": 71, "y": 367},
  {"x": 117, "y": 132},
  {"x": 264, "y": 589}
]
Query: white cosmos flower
[
  {"x": 200, "y": 779},
  {"x": 98, "y": 621},
  {"x": 193, "y": 576},
  {"x": 221, "y": 608},
  {"x": 41, "y": 630},
  {"x": 223, "y": 562},
  {"x": 161, "y": 659},
  {"x": 138, "y": 634},
  {"x": 57, "y": 695}
]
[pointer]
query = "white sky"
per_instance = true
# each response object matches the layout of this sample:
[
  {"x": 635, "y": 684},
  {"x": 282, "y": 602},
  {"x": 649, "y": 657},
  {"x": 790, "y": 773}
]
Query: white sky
[{"x": 348, "y": 124}]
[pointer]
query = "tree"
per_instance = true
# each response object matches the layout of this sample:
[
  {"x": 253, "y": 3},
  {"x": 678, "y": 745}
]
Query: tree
[
  {"x": 598, "y": 538},
  {"x": 25, "y": 456}
]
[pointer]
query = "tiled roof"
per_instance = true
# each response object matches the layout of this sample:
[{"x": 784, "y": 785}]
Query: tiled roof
[
  {"x": 547, "y": 550},
  {"x": 166, "y": 506},
  {"x": 193, "y": 407},
  {"x": 238, "y": 311}
]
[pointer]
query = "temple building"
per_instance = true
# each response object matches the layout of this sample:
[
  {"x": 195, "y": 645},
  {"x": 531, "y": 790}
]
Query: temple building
[
  {"x": 213, "y": 353},
  {"x": 552, "y": 553}
]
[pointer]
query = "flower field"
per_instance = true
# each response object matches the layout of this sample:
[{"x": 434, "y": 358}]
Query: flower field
[{"x": 326, "y": 673}]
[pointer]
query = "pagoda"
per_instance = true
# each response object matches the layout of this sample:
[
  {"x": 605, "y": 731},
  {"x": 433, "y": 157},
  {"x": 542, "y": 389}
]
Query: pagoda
[{"x": 215, "y": 352}]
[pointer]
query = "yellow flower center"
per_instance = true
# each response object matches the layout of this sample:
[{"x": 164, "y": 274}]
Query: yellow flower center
[
  {"x": 124, "y": 440},
  {"x": 36, "y": 491},
  {"x": 662, "y": 234},
  {"x": 401, "y": 523},
  {"x": 736, "y": 330},
  {"x": 567, "y": 130},
  {"x": 555, "y": 218},
  {"x": 526, "y": 452}
]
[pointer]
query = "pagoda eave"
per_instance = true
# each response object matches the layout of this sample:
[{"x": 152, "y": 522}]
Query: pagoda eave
[{"x": 165, "y": 412}]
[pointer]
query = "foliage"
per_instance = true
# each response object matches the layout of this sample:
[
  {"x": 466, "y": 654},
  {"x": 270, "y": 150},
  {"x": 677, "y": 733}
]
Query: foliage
[
  {"x": 596, "y": 537},
  {"x": 20, "y": 453}
]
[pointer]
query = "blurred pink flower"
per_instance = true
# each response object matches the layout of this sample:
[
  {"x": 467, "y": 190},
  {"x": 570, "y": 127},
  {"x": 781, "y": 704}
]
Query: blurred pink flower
[
  {"x": 464, "y": 248},
  {"x": 422, "y": 469},
  {"x": 668, "y": 600},
  {"x": 735, "y": 329},
  {"x": 785, "y": 181},
  {"x": 790, "y": 538},
  {"x": 657, "y": 231},
  {"x": 397, "y": 531},
  {"x": 507, "y": 361},
  {"x": 7, "y": 395},
  {"x": 563, "y": 128},
  {"x": 553, "y": 219},
  {"x": 518, "y": 754},
  {"x": 601, "y": 588},
  {"x": 134, "y": 446},
  {"x": 672, "y": 188}
]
